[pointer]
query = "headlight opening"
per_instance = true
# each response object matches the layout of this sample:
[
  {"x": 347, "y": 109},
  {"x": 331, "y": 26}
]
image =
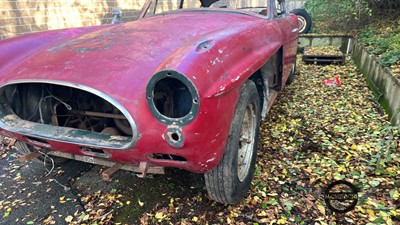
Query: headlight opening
[{"x": 172, "y": 98}]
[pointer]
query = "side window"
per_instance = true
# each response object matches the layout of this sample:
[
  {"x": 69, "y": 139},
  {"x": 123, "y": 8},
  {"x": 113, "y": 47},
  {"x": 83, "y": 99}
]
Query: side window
[{"x": 280, "y": 8}]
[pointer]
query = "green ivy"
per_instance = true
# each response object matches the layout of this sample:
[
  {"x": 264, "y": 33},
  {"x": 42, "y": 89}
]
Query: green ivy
[
  {"x": 341, "y": 11},
  {"x": 383, "y": 42}
]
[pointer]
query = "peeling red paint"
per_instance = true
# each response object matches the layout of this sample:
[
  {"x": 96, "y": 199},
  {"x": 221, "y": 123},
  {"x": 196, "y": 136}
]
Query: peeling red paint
[{"x": 120, "y": 60}]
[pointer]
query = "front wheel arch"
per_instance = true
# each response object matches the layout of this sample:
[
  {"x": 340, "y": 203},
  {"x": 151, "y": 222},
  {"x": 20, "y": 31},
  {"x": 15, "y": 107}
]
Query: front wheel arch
[{"x": 229, "y": 182}]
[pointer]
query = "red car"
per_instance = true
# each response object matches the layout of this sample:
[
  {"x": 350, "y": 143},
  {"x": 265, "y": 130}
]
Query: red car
[{"x": 185, "y": 88}]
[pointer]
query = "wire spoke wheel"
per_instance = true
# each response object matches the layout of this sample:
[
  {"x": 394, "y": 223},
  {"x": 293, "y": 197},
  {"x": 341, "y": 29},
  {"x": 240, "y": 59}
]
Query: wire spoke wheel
[
  {"x": 302, "y": 24},
  {"x": 304, "y": 19},
  {"x": 246, "y": 142}
]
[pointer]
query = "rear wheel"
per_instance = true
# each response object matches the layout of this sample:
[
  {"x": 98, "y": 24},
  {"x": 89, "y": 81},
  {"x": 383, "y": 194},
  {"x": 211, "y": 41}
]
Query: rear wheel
[
  {"x": 304, "y": 20},
  {"x": 25, "y": 148},
  {"x": 229, "y": 182}
]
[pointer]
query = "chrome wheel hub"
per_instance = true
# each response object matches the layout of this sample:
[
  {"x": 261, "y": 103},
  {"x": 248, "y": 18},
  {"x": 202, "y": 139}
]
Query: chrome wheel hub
[{"x": 246, "y": 142}]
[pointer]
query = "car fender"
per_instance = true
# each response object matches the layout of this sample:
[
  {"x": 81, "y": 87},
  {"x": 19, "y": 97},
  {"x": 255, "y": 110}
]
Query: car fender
[
  {"x": 218, "y": 72},
  {"x": 225, "y": 69}
]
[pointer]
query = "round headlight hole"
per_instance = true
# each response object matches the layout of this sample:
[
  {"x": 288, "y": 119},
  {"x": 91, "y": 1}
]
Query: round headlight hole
[{"x": 172, "y": 98}]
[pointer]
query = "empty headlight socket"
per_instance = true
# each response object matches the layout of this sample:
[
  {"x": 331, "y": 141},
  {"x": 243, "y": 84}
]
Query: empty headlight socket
[{"x": 174, "y": 101}]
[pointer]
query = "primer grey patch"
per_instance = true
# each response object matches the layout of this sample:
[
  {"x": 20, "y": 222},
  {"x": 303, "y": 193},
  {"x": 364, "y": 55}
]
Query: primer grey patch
[
  {"x": 62, "y": 46},
  {"x": 82, "y": 49}
]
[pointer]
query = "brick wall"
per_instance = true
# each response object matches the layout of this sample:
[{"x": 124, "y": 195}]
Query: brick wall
[{"x": 26, "y": 16}]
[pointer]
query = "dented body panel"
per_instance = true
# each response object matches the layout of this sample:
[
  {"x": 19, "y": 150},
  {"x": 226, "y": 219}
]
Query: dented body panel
[{"x": 216, "y": 50}]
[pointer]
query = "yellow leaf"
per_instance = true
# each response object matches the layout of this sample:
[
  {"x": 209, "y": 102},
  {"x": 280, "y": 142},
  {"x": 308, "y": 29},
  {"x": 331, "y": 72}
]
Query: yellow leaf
[
  {"x": 282, "y": 220},
  {"x": 48, "y": 219},
  {"x": 395, "y": 195},
  {"x": 337, "y": 176},
  {"x": 159, "y": 215},
  {"x": 140, "y": 203},
  {"x": 68, "y": 219},
  {"x": 371, "y": 215},
  {"x": 262, "y": 213},
  {"x": 86, "y": 217},
  {"x": 360, "y": 209},
  {"x": 228, "y": 220},
  {"x": 384, "y": 215},
  {"x": 195, "y": 219},
  {"x": 321, "y": 209}
]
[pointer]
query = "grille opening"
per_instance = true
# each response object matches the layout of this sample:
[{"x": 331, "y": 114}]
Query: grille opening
[
  {"x": 172, "y": 98},
  {"x": 64, "y": 106},
  {"x": 168, "y": 157}
]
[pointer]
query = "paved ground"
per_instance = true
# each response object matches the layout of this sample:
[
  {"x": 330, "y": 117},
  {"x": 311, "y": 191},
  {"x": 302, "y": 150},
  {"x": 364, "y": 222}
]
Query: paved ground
[{"x": 27, "y": 194}]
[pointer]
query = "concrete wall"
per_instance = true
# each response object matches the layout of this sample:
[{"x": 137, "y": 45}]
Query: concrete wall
[
  {"x": 295, "y": 4},
  {"x": 341, "y": 41},
  {"x": 383, "y": 81}
]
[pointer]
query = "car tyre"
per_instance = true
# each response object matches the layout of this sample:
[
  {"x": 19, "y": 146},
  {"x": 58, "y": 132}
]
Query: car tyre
[
  {"x": 292, "y": 75},
  {"x": 25, "y": 148},
  {"x": 229, "y": 182},
  {"x": 305, "y": 21}
]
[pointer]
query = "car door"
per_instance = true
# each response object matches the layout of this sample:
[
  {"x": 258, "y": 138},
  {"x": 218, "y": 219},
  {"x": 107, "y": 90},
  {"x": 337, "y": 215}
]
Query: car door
[{"x": 288, "y": 25}]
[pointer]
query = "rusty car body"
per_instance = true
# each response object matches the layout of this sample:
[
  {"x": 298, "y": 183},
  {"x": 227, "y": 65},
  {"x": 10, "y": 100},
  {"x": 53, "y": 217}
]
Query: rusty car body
[{"x": 185, "y": 89}]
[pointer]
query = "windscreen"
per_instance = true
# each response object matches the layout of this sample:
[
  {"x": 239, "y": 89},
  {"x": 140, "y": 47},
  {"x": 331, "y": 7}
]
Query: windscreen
[{"x": 162, "y": 6}]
